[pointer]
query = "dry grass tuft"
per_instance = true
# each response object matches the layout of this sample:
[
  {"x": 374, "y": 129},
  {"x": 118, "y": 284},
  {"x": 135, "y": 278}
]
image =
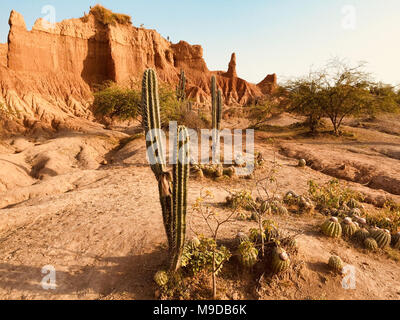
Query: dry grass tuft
[{"x": 107, "y": 17}]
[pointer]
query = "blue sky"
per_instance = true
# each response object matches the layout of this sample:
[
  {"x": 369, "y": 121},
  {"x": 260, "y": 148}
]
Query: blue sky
[{"x": 282, "y": 36}]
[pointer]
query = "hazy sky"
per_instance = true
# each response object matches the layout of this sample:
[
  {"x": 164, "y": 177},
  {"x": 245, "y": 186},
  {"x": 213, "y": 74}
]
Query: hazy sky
[{"x": 282, "y": 36}]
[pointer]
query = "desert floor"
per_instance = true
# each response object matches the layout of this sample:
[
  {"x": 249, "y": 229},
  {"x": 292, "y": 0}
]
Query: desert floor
[{"x": 87, "y": 204}]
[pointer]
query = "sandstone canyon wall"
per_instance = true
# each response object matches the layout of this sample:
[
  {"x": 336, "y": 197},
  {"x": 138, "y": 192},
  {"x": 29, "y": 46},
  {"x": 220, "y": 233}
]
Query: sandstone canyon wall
[{"x": 46, "y": 74}]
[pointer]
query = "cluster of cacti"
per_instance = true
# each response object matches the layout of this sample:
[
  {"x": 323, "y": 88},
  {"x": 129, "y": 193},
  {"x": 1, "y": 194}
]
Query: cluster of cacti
[
  {"x": 172, "y": 189},
  {"x": 241, "y": 200},
  {"x": 280, "y": 260},
  {"x": 216, "y": 112},
  {"x": 302, "y": 204},
  {"x": 181, "y": 87},
  {"x": 213, "y": 171},
  {"x": 370, "y": 244},
  {"x": 349, "y": 228},
  {"x": 332, "y": 228},
  {"x": 272, "y": 207},
  {"x": 382, "y": 237},
  {"x": 248, "y": 254},
  {"x": 161, "y": 278},
  {"x": 335, "y": 263}
]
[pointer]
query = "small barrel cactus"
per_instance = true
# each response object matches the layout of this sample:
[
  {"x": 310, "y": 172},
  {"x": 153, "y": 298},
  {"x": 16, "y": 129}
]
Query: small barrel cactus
[
  {"x": 280, "y": 209},
  {"x": 362, "y": 221},
  {"x": 370, "y": 244},
  {"x": 348, "y": 227},
  {"x": 332, "y": 228},
  {"x": 353, "y": 204},
  {"x": 302, "y": 163},
  {"x": 194, "y": 242},
  {"x": 264, "y": 207},
  {"x": 230, "y": 172},
  {"x": 219, "y": 171},
  {"x": 271, "y": 233},
  {"x": 361, "y": 234},
  {"x": 161, "y": 278},
  {"x": 355, "y": 213},
  {"x": 335, "y": 263},
  {"x": 396, "y": 241},
  {"x": 382, "y": 238},
  {"x": 280, "y": 261},
  {"x": 248, "y": 254}
]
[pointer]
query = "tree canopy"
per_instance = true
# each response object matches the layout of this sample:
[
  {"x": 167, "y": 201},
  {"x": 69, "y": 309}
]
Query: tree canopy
[{"x": 338, "y": 91}]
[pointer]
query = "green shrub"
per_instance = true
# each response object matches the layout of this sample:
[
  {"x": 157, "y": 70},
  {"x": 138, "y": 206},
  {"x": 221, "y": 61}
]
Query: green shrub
[
  {"x": 114, "y": 101},
  {"x": 200, "y": 258}
]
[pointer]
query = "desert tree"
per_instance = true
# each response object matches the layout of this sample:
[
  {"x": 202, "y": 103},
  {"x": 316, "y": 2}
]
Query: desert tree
[
  {"x": 214, "y": 221},
  {"x": 304, "y": 96},
  {"x": 338, "y": 91},
  {"x": 266, "y": 187}
]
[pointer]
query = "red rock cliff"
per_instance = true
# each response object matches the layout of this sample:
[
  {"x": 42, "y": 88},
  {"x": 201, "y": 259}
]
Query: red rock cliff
[{"x": 46, "y": 73}]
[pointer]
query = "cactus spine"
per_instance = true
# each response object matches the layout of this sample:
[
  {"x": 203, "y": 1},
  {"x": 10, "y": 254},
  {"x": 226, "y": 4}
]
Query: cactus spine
[
  {"x": 172, "y": 190},
  {"x": 181, "y": 88}
]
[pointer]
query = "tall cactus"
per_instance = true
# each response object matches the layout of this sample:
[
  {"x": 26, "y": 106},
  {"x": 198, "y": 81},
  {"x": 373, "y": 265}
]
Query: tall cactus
[
  {"x": 216, "y": 100},
  {"x": 181, "y": 88},
  {"x": 172, "y": 189}
]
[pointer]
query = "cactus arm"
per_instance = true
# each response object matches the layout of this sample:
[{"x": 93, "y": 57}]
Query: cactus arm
[
  {"x": 213, "y": 101},
  {"x": 152, "y": 124},
  {"x": 181, "y": 176},
  {"x": 219, "y": 110}
]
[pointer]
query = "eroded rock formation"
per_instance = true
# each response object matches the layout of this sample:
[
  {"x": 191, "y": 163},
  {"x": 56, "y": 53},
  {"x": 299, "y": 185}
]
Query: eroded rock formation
[{"x": 46, "y": 74}]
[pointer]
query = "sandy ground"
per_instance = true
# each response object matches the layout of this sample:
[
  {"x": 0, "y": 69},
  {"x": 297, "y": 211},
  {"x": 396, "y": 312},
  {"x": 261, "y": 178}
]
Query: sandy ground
[{"x": 89, "y": 207}]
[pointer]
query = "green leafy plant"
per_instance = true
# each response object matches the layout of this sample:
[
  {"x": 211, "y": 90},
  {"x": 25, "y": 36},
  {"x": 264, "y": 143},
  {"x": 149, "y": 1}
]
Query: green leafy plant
[
  {"x": 200, "y": 258},
  {"x": 332, "y": 195}
]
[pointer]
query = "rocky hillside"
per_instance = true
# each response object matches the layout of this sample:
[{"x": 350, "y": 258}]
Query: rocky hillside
[{"x": 46, "y": 74}]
